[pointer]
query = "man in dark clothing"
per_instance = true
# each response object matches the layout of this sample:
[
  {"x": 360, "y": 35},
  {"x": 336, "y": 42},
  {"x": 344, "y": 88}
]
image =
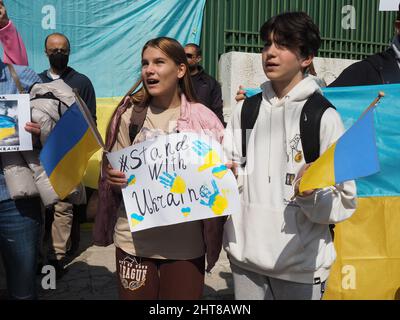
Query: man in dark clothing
[
  {"x": 57, "y": 49},
  {"x": 207, "y": 89},
  {"x": 65, "y": 218},
  {"x": 380, "y": 68}
]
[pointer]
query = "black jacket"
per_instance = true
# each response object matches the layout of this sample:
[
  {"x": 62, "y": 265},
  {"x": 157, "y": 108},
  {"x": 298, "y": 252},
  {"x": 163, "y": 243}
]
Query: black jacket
[
  {"x": 78, "y": 81},
  {"x": 208, "y": 92},
  {"x": 380, "y": 68}
]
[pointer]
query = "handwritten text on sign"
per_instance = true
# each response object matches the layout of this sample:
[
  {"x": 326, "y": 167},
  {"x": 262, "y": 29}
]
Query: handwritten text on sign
[{"x": 175, "y": 178}]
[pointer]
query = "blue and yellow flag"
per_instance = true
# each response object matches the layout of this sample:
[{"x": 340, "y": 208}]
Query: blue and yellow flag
[
  {"x": 368, "y": 244},
  {"x": 68, "y": 149},
  {"x": 7, "y": 126},
  {"x": 353, "y": 156}
]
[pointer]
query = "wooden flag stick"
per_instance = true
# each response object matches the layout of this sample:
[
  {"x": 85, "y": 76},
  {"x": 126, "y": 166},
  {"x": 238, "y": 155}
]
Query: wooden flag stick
[
  {"x": 86, "y": 113},
  {"x": 381, "y": 94}
]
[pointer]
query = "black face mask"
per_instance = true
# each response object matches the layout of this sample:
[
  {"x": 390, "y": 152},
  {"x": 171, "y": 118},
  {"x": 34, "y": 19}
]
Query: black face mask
[{"x": 58, "y": 60}]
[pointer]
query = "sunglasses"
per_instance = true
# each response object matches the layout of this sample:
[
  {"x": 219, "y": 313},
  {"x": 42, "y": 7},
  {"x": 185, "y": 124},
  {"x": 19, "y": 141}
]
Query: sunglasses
[
  {"x": 189, "y": 55},
  {"x": 57, "y": 50}
]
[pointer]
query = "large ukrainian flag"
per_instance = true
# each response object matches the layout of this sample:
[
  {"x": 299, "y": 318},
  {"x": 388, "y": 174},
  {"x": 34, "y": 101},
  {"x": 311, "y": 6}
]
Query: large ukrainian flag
[
  {"x": 68, "y": 149},
  {"x": 368, "y": 244}
]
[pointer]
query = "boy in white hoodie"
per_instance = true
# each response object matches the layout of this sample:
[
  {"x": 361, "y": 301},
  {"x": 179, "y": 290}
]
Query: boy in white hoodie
[{"x": 281, "y": 247}]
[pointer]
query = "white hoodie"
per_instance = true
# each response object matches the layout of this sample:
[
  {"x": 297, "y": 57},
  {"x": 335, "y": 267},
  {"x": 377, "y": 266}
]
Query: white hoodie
[{"x": 273, "y": 235}]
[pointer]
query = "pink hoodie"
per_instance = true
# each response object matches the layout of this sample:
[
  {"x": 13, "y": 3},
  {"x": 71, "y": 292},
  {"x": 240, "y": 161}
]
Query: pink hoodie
[
  {"x": 196, "y": 117},
  {"x": 14, "y": 48}
]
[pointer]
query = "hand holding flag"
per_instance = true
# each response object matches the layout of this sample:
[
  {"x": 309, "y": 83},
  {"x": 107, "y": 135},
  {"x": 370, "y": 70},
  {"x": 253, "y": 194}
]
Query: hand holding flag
[{"x": 341, "y": 162}]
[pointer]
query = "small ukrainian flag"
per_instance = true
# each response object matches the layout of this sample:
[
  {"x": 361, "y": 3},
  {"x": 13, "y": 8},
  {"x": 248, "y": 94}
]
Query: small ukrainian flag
[
  {"x": 69, "y": 147},
  {"x": 353, "y": 156}
]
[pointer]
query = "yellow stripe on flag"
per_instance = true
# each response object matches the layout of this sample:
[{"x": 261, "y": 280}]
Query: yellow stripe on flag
[
  {"x": 368, "y": 252},
  {"x": 62, "y": 179},
  {"x": 321, "y": 173}
]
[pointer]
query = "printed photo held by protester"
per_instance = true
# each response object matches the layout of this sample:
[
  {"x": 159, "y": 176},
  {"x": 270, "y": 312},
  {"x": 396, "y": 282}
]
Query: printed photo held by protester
[{"x": 20, "y": 219}]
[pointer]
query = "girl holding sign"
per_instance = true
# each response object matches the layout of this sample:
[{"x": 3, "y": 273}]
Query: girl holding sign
[{"x": 165, "y": 262}]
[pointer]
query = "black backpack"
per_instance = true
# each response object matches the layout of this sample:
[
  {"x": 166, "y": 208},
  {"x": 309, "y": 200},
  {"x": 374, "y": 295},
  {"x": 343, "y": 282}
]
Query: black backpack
[{"x": 310, "y": 122}]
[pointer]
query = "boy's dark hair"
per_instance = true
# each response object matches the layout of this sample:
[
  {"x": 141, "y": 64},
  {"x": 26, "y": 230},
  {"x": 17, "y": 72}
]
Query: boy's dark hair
[
  {"x": 198, "y": 49},
  {"x": 293, "y": 30}
]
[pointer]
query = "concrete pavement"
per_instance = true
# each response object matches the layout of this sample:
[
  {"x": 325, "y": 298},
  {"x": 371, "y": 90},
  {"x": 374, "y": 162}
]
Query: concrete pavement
[{"x": 91, "y": 275}]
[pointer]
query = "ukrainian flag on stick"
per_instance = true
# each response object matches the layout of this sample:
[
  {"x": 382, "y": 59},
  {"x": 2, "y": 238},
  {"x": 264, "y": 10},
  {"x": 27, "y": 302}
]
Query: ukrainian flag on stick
[
  {"x": 69, "y": 147},
  {"x": 353, "y": 156}
]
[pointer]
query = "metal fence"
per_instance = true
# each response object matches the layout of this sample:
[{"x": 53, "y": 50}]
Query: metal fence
[{"x": 350, "y": 29}]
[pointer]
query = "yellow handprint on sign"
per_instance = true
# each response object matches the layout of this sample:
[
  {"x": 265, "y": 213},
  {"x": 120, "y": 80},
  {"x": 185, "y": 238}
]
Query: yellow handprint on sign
[
  {"x": 220, "y": 204},
  {"x": 214, "y": 200},
  {"x": 174, "y": 182},
  {"x": 211, "y": 157}
]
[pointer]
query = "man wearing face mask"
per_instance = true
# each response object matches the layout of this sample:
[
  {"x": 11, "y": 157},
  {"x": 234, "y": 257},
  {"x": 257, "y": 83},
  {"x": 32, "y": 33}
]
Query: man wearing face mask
[
  {"x": 65, "y": 229},
  {"x": 57, "y": 49}
]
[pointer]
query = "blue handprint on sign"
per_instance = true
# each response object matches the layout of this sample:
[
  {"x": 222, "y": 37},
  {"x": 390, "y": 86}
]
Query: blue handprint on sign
[
  {"x": 214, "y": 200},
  {"x": 211, "y": 157},
  {"x": 173, "y": 182}
]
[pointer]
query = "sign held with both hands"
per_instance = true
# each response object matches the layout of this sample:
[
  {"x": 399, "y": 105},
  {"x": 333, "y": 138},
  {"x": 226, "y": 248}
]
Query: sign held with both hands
[{"x": 175, "y": 178}]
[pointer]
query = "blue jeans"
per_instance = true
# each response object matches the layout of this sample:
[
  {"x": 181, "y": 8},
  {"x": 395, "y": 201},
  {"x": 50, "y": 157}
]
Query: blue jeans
[{"x": 20, "y": 223}]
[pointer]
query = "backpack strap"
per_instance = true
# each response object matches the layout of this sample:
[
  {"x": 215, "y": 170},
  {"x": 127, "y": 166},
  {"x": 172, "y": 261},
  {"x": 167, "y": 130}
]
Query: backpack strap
[
  {"x": 248, "y": 117},
  {"x": 137, "y": 120},
  {"x": 310, "y": 124},
  {"x": 15, "y": 77}
]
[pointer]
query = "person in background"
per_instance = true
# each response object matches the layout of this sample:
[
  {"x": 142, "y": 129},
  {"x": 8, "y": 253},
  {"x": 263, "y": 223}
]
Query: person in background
[
  {"x": 58, "y": 49},
  {"x": 207, "y": 89},
  {"x": 13, "y": 46},
  {"x": 380, "y": 68},
  {"x": 65, "y": 218},
  {"x": 20, "y": 220}
]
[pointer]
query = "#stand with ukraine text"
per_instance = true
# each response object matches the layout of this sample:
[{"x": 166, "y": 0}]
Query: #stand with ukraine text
[{"x": 173, "y": 179}]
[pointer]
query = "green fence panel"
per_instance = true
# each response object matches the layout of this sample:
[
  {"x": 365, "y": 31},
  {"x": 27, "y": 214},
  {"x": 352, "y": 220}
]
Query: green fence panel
[{"x": 232, "y": 25}]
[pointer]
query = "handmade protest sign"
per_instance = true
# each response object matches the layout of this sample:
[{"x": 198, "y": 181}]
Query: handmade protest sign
[{"x": 175, "y": 178}]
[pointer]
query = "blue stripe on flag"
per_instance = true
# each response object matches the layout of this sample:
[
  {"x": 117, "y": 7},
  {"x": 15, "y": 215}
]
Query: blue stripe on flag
[
  {"x": 356, "y": 154},
  {"x": 53, "y": 151}
]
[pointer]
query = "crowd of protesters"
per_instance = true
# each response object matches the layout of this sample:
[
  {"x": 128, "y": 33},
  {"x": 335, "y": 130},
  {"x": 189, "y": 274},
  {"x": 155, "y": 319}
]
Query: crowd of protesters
[{"x": 279, "y": 246}]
